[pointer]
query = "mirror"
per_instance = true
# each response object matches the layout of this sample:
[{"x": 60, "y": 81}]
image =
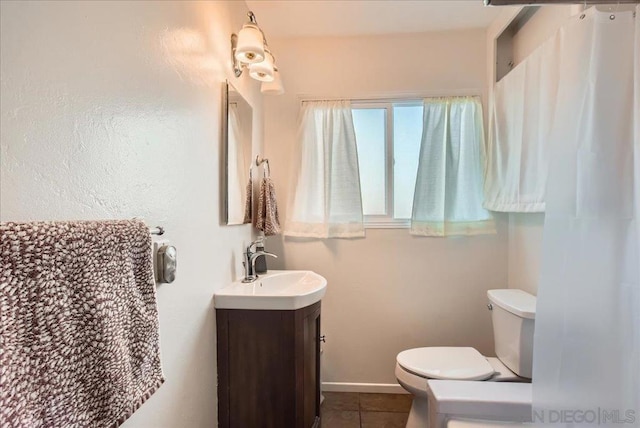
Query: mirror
[{"x": 236, "y": 143}]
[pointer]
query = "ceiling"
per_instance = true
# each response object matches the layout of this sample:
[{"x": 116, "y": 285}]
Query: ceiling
[{"x": 306, "y": 18}]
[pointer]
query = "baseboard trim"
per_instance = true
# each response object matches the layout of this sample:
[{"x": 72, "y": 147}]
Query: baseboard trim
[{"x": 381, "y": 388}]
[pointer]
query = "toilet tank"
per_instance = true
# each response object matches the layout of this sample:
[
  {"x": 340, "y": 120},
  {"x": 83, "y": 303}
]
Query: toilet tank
[{"x": 513, "y": 314}]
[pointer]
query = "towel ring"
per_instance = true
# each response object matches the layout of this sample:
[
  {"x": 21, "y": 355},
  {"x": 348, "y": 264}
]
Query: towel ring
[
  {"x": 260, "y": 161},
  {"x": 267, "y": 168}
]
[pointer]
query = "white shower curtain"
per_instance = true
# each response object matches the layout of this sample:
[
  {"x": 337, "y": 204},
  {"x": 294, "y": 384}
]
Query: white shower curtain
[
  {"x": 587, "y": 335},
  {"x": 326, "y": 201}
]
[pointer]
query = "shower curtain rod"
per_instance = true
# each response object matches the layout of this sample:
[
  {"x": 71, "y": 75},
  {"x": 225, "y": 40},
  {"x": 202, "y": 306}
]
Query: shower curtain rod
[{"x": 396, "y": 98}]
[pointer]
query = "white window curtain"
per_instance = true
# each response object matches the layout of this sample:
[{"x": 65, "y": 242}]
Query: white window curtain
[
  {"x": 326, "y": 202},
  {"x": 520, "y": 122},
  {"x": 448, "y": 193},
  {"x": 587, "y": 335}
]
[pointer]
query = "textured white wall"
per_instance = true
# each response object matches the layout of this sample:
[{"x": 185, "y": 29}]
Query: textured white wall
[
  {"x": 389, "y": 291},
  {"x": 525, "y": 246},
  {"x": 112, "y": 110}
]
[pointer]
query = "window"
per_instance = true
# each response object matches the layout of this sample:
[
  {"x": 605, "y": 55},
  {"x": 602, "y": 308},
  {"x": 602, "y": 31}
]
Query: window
[
  {"x": 388, "y": 136},
  {"x": 390, "y": 165}
]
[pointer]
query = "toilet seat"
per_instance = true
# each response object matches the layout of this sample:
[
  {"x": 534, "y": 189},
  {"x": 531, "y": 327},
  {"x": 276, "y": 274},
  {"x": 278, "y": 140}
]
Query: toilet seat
[{"x": 452, "y": 363}]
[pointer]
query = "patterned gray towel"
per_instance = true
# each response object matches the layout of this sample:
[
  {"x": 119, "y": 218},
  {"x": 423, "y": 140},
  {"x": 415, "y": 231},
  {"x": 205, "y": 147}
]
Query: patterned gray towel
[
  {"x": 79, "y": 342},
  {"x": 248, "y": 203},
  {"x": 268, "y": 219}
]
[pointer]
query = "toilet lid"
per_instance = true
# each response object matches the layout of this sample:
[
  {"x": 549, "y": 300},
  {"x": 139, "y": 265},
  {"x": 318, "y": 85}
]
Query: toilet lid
[{"x": 452, "y": 363}]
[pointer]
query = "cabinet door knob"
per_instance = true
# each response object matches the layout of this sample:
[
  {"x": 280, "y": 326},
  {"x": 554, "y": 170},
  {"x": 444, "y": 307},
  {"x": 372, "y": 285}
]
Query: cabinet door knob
[{"x": 322, "y": 339}]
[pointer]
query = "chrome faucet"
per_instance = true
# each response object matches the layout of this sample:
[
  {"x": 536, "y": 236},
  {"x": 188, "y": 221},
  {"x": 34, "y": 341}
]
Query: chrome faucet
[{"x": 249, "y": 262}]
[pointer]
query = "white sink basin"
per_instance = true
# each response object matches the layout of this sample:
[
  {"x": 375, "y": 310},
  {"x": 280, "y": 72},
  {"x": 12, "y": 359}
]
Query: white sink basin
[{"x": 275, "y": 290}]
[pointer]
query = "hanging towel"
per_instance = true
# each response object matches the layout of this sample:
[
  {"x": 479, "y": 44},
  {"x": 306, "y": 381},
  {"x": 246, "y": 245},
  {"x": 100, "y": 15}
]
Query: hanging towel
[
  {"x": 79, "y": 342},
  {"x": 268, "y": 220},
  {"x": 248, "y": 202}
]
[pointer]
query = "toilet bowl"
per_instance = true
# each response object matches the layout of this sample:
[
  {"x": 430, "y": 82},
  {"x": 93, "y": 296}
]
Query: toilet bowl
[{"x": 513, "y": 313}]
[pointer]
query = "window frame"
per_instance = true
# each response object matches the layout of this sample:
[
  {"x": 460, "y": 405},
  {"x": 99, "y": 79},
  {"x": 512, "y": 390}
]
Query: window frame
[{"x": 387, "y": 221}]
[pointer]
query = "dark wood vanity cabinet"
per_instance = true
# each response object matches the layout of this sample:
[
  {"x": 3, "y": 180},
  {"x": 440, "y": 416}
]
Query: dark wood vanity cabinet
[{"x": 269, "y": 368}]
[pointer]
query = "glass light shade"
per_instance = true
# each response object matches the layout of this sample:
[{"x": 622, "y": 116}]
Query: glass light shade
[
  {"x": 274, "y": 87},
  {"x": 263, "y": 71},
  {"x": 250, "y": 47}
]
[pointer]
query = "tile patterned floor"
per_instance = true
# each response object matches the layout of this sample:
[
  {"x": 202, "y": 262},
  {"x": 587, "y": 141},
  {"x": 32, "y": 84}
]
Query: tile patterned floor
[{"x": 355, "y": 410}]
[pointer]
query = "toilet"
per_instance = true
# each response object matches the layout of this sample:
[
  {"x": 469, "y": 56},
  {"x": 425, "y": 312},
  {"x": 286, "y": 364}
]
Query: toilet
[{"x": 512, "y": 315}]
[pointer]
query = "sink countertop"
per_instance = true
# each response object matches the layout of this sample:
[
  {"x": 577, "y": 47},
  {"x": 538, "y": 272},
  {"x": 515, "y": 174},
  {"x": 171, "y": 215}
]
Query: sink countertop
[{"x": 275, "y": 290}]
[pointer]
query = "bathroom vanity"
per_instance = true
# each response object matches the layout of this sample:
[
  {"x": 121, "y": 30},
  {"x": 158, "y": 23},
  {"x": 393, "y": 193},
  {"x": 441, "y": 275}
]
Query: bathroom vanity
[
  {"x": 269, "y": 367},
  {"x": 269, "y": 351}
]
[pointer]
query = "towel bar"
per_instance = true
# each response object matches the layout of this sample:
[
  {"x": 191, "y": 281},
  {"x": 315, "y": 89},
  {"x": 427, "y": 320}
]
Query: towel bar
[{"x": 158, "y": 230}]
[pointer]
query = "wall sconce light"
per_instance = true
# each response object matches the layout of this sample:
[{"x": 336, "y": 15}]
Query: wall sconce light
[{"x": 249, "y": 50}]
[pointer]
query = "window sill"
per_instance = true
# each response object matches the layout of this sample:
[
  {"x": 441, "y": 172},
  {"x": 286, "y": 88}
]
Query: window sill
[{"x": 390, "y": 224}]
